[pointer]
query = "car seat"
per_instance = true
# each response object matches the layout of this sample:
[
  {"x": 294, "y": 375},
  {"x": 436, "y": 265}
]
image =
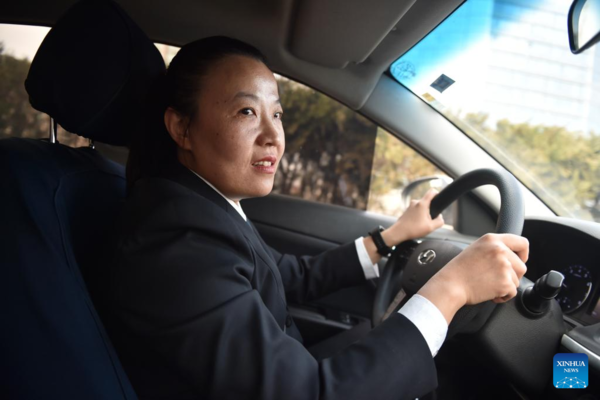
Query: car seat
[{"x": 57, "y": 206}]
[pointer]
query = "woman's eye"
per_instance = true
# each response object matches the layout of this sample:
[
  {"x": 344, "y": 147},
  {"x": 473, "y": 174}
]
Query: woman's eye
[
  {"x": 247, "y": 111},
  {"x": 278, "y": 115}
]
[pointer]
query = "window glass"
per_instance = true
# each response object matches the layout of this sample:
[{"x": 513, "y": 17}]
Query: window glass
[
  {"x": 334, "y": 155},
  {"x": 395, "y": 166},
  {"x": 329, "y": 149},
  {"x": 167, "y": 52},
  {"x": 514, "y": 87}
]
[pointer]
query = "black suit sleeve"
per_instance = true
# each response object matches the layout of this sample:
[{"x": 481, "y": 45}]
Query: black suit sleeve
[
  {"x": 308, "y": 278},
  {"x": 183, "y": 286}
]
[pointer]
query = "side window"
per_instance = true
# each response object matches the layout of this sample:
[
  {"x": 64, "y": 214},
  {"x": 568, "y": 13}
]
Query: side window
[
  {"x": 334, "y": 155},
  {"x": 329, "y": 149},
  {"x": 395, "y": 167}
]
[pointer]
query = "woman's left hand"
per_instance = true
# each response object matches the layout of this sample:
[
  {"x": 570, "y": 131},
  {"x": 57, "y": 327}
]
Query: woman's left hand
[{"x": 415, "y": 222}]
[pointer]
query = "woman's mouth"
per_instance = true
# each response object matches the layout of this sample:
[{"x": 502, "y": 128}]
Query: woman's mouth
[{"x": 265, "y": 165}]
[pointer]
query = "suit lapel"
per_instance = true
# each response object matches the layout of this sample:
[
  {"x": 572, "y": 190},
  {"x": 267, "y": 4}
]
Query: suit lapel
[
  {"x": 180, "y": 174},
  {"x": 261, "y": 242}
]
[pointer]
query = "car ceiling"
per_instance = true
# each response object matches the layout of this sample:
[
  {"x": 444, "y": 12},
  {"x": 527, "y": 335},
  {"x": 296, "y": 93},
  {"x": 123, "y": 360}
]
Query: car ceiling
[{"x": 341, "y": 47}]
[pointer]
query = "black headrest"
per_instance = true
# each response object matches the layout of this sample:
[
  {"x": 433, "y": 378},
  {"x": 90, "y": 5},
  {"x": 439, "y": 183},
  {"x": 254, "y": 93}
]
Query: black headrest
[{"x": 93, "y": 72}]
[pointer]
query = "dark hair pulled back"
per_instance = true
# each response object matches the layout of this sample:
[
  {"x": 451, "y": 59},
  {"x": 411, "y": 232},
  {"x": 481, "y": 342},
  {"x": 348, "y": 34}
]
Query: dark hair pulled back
[{"x": 152, "y": 148}]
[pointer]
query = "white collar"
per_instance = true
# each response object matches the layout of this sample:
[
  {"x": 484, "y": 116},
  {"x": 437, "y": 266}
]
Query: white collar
[{"x": 236, "y": 206}]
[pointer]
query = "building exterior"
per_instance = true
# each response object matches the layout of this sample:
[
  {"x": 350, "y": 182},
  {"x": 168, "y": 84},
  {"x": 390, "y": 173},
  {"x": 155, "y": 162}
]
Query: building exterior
[{"x": 509, "y": 59}]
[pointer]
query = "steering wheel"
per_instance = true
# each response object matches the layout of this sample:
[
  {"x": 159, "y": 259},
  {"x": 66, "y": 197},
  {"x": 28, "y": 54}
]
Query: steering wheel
[
  {"x": 404, "y": 270},
  {"x": 492, "y": 325}
]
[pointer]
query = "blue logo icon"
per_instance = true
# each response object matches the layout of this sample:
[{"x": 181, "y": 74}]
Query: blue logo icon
[{"x": 571, "y": 371}]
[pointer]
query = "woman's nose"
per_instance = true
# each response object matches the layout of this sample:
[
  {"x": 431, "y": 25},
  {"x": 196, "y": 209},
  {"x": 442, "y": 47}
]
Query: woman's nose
[{"x": 271, "y": 133}]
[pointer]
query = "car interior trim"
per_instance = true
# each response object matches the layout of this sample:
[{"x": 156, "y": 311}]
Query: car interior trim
[
  {"x": 576, "y": 347},
  {"x": 366, "y": 23},
  {"x": 351, "y": 85}
]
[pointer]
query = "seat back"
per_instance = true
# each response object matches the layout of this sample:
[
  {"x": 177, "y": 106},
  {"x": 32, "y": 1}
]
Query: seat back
[{"x": 58, "y": 205}]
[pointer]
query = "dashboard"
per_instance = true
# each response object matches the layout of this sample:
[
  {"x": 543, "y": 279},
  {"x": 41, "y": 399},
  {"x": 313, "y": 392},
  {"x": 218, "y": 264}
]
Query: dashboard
[{"x": 571, "y": 247}]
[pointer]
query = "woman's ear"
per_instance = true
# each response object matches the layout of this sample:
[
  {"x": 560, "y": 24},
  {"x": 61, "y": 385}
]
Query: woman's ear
[{"x": 177, "y": 127}]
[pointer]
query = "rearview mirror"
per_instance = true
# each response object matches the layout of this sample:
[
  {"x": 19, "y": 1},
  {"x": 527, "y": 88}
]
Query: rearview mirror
[{"x": 584, "y": 24}]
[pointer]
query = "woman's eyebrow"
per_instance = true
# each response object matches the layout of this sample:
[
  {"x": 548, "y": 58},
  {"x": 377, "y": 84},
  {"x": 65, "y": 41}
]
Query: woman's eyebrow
[
  {"x": 245, "y": 94},
  {"x": 251, "y": 96}
]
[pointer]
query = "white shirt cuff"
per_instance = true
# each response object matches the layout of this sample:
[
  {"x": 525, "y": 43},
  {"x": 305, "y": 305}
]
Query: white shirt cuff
[
  {"x": 371, "y": 270},
  {"x": 428, "y": 319}
]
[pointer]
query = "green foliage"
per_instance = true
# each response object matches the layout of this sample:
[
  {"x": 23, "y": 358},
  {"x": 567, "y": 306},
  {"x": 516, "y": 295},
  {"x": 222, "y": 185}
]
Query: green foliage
[
  {"x": 329, "y": 148},
  {"x": 17, "y": 118},
  {"x": 334, "y": 155},
  {"x": 562, "y": 167},
  {"x": 395, "y": 165}
]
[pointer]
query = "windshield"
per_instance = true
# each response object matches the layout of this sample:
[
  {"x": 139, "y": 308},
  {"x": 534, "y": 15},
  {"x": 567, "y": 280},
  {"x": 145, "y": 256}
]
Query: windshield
[{"x": 503, "y": 73}]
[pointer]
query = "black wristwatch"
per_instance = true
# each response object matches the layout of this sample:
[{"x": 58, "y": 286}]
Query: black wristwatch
[{"x": 382, "y": 248}]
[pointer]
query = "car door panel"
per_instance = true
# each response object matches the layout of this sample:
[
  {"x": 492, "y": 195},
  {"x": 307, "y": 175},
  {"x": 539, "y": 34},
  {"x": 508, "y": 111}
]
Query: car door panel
[
  {"x": 296, "y": 226},
  {"x": 300, "y": 227},
  {"x": 331, "y": 223}
]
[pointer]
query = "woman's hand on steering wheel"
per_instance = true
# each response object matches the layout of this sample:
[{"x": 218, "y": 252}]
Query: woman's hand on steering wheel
[
  {"x": 414, "y": 223},
  {"x": 489, "y": 269}
]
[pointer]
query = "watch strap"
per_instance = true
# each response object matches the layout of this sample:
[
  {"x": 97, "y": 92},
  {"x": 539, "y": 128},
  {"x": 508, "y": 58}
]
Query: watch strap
[{"x": 382, "y": 248}]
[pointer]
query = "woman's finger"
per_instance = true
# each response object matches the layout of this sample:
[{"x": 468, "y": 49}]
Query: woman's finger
[
  {"x": 518, "y": 265},
  {"x": 431, "y": 193},
  {"x": 516, "y": 243},
  {"x": 438, "y": 221}
]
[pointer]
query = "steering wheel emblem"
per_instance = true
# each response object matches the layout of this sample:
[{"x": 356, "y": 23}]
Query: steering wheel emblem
[{"x": 426, "y": 257}]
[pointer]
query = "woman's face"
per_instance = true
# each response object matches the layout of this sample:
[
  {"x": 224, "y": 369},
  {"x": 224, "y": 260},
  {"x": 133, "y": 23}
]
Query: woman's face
[{"x": 236, "y": 138}]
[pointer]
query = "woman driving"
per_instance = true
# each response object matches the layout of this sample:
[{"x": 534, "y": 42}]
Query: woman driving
[{"x": 199, "y": 300}]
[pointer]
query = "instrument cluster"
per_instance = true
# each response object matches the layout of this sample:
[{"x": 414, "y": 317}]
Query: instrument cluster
[
  {"x": 576, "y": 288},
  {"x": 561, "y": 245}
]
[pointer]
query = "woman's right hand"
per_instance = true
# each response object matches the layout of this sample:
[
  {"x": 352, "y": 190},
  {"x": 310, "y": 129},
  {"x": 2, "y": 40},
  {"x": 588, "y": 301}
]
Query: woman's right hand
[{"x": 489, "y": 269}]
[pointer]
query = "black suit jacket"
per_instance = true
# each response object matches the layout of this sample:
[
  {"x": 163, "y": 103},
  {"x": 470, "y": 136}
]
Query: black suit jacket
[{"x": 199, "y": 308}]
